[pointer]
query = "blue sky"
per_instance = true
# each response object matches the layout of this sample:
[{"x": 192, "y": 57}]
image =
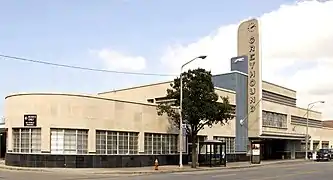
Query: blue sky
[{"x": 65, "y": 31}]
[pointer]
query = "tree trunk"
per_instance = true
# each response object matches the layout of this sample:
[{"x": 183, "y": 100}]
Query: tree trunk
[{"x": 194, "y": 151}]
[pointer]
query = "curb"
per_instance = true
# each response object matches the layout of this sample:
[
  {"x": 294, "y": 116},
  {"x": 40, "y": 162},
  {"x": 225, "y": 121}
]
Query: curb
[
  {"x": 13, "y": 168},
  {"x": 200, "y": 170},
  {"x": 154, "y": 172}
]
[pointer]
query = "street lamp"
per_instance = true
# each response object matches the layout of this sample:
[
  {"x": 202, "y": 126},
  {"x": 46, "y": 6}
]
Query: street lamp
[
  {"x": 307, "y": 126},
  {"x": 180, "y": 111}
]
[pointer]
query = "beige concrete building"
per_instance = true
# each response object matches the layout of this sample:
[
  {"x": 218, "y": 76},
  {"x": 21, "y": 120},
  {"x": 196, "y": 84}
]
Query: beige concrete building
[{"x": 121, "y": 128}]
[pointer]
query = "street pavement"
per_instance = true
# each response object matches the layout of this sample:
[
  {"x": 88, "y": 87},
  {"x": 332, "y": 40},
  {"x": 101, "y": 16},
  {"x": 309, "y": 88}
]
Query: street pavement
[{"x": 297, "y": 171}]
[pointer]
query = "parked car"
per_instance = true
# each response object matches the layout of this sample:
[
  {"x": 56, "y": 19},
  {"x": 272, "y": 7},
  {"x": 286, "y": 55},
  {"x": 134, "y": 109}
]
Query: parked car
[{"x": 324, "y": 154}]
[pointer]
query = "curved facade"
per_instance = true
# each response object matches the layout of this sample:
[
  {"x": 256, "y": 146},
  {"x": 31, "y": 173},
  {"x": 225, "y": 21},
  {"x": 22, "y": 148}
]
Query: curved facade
[
  {"x": 122, "y": 129},
  {"x": 68, "y": 130}
]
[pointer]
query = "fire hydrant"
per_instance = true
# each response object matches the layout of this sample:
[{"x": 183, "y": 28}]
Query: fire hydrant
[{"x": 156, "y": 164}]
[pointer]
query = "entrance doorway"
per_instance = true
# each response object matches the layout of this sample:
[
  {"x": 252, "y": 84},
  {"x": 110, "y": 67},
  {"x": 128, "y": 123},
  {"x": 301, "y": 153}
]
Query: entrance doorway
[
  {"x": 272, "y": 149},
  {"x": 3, "y": 144}
]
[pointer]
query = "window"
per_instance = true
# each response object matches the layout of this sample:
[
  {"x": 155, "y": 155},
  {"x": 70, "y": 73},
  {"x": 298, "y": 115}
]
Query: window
[
  {"x": 160, "y": 143},
  {"x": 148, "y": 143},
  {"x": 200, "y": 146},
  {"x": 27, "y": 140},
  {"x": 36, "y": 140},
  {"x": 101, "y": 142},
  {"x": 82, "y": 142},
  {"x": 123, "y": 143},
  {"x": 229, "y": 143},
  {"x": 57, "y": 141},
  {"x": 69, "y": 141},
  {"x": 201, "y": 140},
  {"x": 111, "y": 142},
  {"x": 157, "y": 146},
  {"x": 70, "y": 146},
  {"x": 133, "y": 143},
  {"x": 271, "y": 119},
  {"x": 173, "y": 143},
  {"x": 325, "y": 144}
]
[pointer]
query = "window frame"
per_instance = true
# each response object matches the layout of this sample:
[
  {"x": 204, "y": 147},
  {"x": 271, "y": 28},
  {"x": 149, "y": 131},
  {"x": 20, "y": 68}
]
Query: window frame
[
  {"x": 230, "y": 143},
  {"x": 19, "y": 148},
  {"x": 129, "y": 134},
  {"x": 63, "y": 150},
  {"x": 274, "y": 120},
  {"x": 172, "y": 148}
]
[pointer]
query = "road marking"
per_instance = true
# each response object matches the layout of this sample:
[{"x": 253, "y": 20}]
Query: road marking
[
  {"x": 223, "y": 175},
  {"x": 287, "y": 175},
  {"x": 290, "y": 168}
]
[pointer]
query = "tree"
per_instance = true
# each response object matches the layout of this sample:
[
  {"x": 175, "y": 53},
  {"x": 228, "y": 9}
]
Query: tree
[{"x": 201, "y": 107}]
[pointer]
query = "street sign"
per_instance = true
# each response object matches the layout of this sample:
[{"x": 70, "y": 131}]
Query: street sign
[{"x": 184, "y": 133}]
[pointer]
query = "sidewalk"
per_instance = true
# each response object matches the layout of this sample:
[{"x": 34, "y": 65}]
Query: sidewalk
[{"x": 148, "y": 170}]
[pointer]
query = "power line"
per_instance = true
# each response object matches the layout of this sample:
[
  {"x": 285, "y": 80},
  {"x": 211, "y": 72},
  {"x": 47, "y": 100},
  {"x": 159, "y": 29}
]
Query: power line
[{"x": 5, "y": 57}]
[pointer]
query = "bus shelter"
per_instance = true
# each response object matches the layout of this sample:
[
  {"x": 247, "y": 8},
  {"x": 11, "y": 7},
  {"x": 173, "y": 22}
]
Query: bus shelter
[{"x": 215, "y": 154}]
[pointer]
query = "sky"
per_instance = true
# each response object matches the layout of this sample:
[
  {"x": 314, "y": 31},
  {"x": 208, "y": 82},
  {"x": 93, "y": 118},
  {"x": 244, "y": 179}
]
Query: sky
[{"x": 150, "y": 36}]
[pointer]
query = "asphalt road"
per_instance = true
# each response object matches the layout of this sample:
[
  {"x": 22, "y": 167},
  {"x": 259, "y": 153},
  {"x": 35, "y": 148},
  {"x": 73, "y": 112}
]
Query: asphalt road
[{"x": 305, "y": 171}]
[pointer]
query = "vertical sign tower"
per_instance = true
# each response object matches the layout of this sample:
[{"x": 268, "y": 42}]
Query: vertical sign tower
[{"x": 249, "y": 45}]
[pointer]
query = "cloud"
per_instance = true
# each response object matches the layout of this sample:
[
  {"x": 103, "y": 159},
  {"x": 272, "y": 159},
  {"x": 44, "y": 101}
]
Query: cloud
[
  {"x": 297, "y": 41},
  {"x": 119, "y": 61}
]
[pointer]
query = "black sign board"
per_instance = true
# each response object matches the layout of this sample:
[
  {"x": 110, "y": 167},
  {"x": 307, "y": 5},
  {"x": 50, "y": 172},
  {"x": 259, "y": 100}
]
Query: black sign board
[
  {"x": 30, "y": 120},
  {"x": 240, "y": 64}
]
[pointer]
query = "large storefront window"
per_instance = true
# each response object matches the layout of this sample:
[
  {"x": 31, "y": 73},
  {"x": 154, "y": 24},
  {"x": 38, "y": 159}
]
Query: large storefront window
[
  {"x": 160, "y": 143},
  {"x": 69, "y": 141},
  {"x": 27, "y": 140},
  {"x": 229, "y": 143},
  {"x": 111, "y": 142},
  {"x": 272, "y": 119}
]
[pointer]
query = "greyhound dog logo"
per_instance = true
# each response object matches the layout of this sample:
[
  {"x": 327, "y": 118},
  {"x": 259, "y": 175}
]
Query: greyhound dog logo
[{"x": 241, "y": 59}]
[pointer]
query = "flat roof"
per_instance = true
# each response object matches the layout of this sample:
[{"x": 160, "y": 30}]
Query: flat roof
[
  {"x": 164, "y": 82},
  {"x": 135, "y": 87},
  {"x": 76, "y": 95}
]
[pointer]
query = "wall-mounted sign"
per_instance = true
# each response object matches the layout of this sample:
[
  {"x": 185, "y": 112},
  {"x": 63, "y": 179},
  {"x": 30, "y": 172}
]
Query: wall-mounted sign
[
  {"x": 30, "y": 120},
  {"x": 249, "y": 45},
  {"x": 240, "y": 64}
]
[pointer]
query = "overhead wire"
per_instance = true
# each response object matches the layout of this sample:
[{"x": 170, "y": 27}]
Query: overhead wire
[{"x": 7, "y": 57}]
